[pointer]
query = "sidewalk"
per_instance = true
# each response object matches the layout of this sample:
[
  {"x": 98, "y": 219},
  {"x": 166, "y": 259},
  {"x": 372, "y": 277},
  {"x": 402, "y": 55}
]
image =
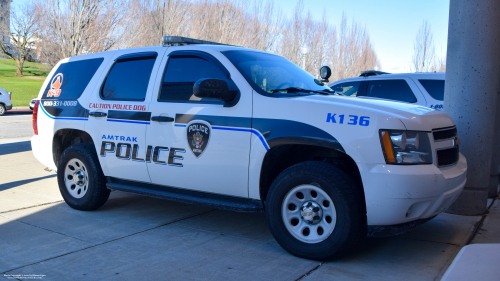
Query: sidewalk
[
  {"x": 481, "y": 259},
  {"x": 140, "y": 238}
]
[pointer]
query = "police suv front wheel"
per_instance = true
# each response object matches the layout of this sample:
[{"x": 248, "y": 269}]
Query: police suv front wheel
[
  {"x": 80, "y": 178},
  {"x": 315, "y": 211}
]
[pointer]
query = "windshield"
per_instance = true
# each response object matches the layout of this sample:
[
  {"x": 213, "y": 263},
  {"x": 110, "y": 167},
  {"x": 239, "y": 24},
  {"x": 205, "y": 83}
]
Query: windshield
[{"x": 268, "y": 74}]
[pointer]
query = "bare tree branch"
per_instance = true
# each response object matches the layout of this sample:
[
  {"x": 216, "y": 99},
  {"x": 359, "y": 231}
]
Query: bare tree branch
[{"x": 22, "y": 38}]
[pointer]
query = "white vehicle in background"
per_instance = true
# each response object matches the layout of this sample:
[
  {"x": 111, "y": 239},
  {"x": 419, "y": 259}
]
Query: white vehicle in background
[
  {"x": 426, "y": 89},
  {"x": 5, "y": 101},
  {"x": 244, "y": 130},
  {"x": 32, "y": 104}
]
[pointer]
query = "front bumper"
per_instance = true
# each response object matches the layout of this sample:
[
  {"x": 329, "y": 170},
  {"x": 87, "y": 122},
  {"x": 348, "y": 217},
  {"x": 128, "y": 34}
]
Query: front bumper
[{"x": 397, "y": 194}]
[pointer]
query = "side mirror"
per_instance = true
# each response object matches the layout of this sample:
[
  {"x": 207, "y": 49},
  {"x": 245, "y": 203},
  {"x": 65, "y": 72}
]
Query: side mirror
[
  {"x": 325, "y": 72},
  {"x": 213, "y": 89}
]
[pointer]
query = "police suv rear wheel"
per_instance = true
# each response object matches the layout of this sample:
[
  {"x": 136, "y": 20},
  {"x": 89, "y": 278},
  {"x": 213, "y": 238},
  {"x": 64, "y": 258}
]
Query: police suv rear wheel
[
  {"x": 314, "y": 211},
  {"x": 2, "y": 109},
  {"x": 80, "y": 178}
]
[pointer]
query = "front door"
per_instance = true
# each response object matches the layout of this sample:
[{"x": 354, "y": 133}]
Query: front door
[{"x": 199, "y": 144}]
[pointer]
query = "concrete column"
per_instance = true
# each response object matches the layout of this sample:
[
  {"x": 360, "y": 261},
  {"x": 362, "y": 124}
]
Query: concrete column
[
  {"x": 471, "y": 93},
  {"x": 495, "y": 158}
]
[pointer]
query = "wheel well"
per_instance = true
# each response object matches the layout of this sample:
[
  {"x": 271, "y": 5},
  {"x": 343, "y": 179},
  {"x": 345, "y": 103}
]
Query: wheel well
[
  {"x": 66, "y": 137},
  {"x": 281, "y": 157}
]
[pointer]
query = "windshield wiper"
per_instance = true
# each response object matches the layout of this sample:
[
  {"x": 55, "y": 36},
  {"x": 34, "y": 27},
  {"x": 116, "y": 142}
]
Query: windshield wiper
[{"x": 297, "y": 90}]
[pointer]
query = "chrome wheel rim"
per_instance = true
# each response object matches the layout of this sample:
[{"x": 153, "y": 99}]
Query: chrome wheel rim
[
  {"x": 2, "y": 109},
  {"x": 76, "y": 178},
  {"x": 309, "y": 214}
]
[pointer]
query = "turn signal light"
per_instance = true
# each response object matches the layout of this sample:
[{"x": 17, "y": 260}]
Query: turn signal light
[{"x": 389, "y": 153}]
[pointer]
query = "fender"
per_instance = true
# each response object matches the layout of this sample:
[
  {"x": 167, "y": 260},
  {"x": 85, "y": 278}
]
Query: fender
[{"x": 333, "y": 144}]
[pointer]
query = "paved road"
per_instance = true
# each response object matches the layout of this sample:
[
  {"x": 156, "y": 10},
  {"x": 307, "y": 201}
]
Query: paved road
[
  {"x": 139, "y": 238},
  {"x": 15, "y": 124}
]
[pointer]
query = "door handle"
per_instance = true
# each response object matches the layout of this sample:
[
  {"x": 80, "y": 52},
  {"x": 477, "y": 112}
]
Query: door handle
[
  {"x": 162, "y": 119},
  {"x": 98, "y": 114}
]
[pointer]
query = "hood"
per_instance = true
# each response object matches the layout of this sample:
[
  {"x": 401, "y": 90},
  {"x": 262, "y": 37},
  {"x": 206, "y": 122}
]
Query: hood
[{"x": 414, "y": 117}]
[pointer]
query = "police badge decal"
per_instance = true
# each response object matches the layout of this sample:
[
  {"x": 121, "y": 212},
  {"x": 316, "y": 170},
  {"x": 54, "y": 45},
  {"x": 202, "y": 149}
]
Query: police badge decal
[{"x": 198, "y": 135}]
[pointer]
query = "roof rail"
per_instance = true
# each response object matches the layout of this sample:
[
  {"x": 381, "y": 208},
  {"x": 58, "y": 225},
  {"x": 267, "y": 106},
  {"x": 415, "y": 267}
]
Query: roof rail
[
  {"x": 181, "y": 41},
  {"x": 372, "y": 73}
]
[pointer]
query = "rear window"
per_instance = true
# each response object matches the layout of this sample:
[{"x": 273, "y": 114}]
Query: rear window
[
  {"x": 391, "y": 90},
  {"x": 71, "y": 78},
  {"x": 128, "y": 79},
  {"x": 435, "y": 88},
  {"x": 347, "y": 89}
]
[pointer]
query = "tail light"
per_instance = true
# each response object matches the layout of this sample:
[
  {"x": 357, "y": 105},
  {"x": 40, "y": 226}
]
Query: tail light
[
  {"x": 35, "y": 117},
  {"x": 10, "y": 96}
]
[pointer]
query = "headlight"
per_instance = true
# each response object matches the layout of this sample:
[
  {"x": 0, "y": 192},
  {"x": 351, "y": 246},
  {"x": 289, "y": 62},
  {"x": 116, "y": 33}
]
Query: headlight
[{"x": 406, "y": 147}]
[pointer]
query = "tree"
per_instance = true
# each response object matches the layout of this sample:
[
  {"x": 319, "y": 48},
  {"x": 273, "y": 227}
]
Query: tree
[
  {"x": 75, "y": 27},
  {"x": 423, "y": 49},
  {"x": 22, "y": 39},
  {"x": 154, "y": 19}
]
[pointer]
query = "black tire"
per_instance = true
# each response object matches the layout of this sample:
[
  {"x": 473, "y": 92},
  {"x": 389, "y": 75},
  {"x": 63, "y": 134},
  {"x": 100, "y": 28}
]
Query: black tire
[
  {"x": 2, "y": 109},
  {"x": 348, "y": 202},
  {"x": 97, "y": 193}
]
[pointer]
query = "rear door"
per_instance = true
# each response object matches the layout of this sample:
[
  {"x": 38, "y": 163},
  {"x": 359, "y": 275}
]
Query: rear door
[
  {"x": 119, "y": 113},
  {"x": 397, "y": 89},
  {"x": 199, "y": 144}
]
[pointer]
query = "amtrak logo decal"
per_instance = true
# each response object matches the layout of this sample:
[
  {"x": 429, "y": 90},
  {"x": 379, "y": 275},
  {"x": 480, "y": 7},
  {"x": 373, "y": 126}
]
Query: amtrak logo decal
[
  {"x": 198, "y": 135},
  {"x": 55, "y": 85}
]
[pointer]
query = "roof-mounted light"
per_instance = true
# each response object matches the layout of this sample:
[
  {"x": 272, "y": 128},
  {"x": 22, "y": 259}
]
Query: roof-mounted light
[
  {"x": 372, "y": 73},
  {"x": 181, "y": 41}
]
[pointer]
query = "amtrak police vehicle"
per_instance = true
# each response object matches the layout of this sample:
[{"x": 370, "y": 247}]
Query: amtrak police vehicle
[{"x": 239, "y": 129}]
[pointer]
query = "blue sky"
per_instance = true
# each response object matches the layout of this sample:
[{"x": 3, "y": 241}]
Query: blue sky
[{"x": 392, "y": 24}]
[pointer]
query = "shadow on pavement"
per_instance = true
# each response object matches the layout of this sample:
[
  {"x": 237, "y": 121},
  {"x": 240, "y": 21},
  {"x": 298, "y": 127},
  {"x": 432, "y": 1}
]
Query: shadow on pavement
[
  {"x": 15, "y": 147},
  {"x": 13, "y": 184},
  {"x": 140, "y": 238},
  {"x": 18, "y": 112}
]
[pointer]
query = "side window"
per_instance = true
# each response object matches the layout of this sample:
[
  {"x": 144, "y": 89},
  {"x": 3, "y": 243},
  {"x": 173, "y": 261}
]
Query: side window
[
  {"x": 181, "y": 74},
  {"x": 71, "y": 78},
  {"x": 128, "y": 79},
  {"x": 347, "y": 89},
  {"x": 435, "y": 88},
  {"x": 391, "y": 90}
]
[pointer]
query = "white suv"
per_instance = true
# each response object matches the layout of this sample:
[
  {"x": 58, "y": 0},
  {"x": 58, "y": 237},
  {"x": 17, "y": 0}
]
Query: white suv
[
  {"x": 244, "y": 130},
  {"x": 5, "y": 101},
  {"x": 426, "y": 89}
]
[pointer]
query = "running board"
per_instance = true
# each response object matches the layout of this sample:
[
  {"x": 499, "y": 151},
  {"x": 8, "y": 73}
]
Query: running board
[{"x": 187, "y": 196}]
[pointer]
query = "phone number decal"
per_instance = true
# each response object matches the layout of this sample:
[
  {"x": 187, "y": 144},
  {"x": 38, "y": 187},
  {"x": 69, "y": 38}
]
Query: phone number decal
[
  {"x": 349, "y": 120},
  {"x": 60, "y": 103}
]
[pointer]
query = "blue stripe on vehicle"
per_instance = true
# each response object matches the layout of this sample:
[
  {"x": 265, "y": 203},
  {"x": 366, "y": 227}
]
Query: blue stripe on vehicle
[
  {"x": 257, "y": 133},
  {"x": 180, "y": 125},
  {"x": 126, "y": 121}
]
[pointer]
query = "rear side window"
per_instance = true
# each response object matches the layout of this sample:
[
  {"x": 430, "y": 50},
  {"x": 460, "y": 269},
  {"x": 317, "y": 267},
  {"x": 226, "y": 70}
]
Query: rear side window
[
  {"x": 182, "y": 73},
  {"x": 391, "y": 90},
  {"x": 128, "y": 79},
  {"x": 71, "y": 78},
  {"x": 347, "y": 89},
  {"x": 435, "y": 88}
]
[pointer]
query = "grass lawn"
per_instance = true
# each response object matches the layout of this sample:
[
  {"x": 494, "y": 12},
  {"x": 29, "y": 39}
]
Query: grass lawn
[{"x": 26, "y": 88}]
